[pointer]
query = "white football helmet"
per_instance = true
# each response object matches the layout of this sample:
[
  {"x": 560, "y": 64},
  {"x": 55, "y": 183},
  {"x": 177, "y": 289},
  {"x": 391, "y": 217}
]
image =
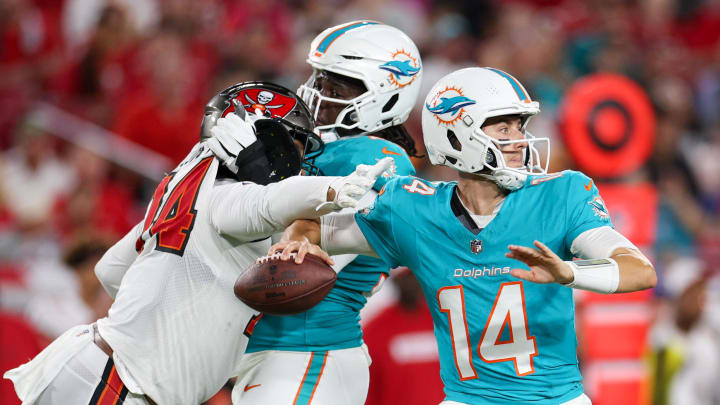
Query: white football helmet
[
  {"x": 454, "y": 112},
  {"x": 383, "y": 58}
]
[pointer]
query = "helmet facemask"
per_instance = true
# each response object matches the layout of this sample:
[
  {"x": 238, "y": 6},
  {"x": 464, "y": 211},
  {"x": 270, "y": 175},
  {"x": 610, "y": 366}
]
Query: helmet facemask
[
  {"x": 312, "y": 146},
  {"x": 347, "y": 120},
  {"x": 507, "y": 177}
]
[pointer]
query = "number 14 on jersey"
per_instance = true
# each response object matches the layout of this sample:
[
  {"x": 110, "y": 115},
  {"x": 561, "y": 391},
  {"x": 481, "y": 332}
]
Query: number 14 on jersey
[{"x": 508, "y": 313}]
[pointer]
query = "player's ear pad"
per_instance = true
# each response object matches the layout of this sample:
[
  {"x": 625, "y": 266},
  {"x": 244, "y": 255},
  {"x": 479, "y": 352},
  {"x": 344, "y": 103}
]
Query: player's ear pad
[
  {"x": 490, "y": 158},
  {"x": 272, "y": 158},
  {"x": 253, "y": 164}
]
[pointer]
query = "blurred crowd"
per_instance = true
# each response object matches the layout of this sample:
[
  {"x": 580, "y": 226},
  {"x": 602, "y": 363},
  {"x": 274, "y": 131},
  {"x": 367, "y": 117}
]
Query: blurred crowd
[{"x": 142, "y": 70}]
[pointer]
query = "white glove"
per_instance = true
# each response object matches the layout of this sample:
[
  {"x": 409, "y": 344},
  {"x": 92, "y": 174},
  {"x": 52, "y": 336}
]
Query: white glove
[
  {"x": 231, "y": 135},
  {"x": 350, "y": 189}
]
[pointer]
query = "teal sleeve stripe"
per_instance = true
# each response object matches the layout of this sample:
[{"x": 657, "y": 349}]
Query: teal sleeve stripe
[{"x": 311, "y": 378}]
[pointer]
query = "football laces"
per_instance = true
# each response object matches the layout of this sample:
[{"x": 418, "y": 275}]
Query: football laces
[{"x": 274, "y": 256}]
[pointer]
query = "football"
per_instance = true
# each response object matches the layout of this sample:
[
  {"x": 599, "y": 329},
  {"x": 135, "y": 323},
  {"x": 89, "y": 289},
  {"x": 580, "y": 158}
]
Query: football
[{"x": 283, "y": 287}]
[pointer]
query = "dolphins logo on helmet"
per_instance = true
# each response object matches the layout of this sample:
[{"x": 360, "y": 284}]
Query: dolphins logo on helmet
[
  {"x": 448, "y": 105},
  {"x": 402, "y": 67}
]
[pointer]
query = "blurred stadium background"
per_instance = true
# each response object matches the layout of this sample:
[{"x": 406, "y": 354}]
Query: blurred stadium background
[{"x": 98, "y": 98}]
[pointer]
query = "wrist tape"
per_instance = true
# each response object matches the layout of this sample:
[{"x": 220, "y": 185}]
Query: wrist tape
[{"x": 598, "y": 275}]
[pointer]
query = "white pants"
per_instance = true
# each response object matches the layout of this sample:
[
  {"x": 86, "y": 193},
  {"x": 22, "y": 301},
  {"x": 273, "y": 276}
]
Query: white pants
[
  {"x": 581, "y": 400},
  {"x": 72, "y": 370},
  {"x": 335, "y": 377}
]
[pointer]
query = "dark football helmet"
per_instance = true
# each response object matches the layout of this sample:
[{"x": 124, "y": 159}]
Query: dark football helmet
[{"x": 285, "y": 120}]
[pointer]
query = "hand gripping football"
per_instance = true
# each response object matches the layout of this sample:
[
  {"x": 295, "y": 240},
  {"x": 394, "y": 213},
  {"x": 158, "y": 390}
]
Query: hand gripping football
[{"x": 283, "y": 287}]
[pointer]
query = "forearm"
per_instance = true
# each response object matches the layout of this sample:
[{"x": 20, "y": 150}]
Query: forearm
[
  {"x": 336, "y": 234},
  {"x": 636, "y": 271},
  {"x": 628, "y": 271},
  {"x": 310, "y": 230},
  {"x": 250, "y": 211},
  {"x": 297, "y": 198},
  {"x": 303, "y": 229}
]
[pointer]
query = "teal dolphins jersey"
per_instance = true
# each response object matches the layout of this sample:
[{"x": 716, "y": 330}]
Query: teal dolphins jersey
[
  {"x": 501, "y": 340},
  {"x": 335, "y": 322}
]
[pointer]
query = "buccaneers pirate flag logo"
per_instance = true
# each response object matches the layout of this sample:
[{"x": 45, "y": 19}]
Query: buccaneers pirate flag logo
[{"x": 263, "y": 102}]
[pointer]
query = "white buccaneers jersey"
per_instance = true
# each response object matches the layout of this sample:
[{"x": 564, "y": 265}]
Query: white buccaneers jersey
[{"x": 176, "y": 328}]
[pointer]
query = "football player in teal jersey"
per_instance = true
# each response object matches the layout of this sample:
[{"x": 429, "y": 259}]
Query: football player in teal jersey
[
  {"x": 366, "y": 81},
  {"x": 493, "y": 251}
]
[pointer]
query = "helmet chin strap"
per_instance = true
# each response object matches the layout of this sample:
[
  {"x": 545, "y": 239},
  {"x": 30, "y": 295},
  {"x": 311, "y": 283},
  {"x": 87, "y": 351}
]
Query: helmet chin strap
[
  {"x": 505, "y": 179},
  {"x": 509, "y": 180}
]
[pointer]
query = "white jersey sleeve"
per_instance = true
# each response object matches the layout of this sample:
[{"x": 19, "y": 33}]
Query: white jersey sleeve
[
  {"x": 598, "y": 243},
  {"x": 247, "y": 211},
  {"x": 111, "y": 268}
]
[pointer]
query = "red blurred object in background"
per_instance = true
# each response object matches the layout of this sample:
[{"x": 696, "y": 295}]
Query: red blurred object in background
[
  {"x": 608, "y": 125},
  {"x": 404, "y": 354},
  {"x": 405, "y": 368},
  {"x": 633, "y": 209},
  {"x": 18, "y": 344}
]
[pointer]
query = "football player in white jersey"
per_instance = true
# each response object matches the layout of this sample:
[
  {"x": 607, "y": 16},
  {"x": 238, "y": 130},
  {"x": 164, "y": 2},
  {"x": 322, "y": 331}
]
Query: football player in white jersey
[
  {"x": 366, "y": 79},
  {"x": 175, "y": 330}
]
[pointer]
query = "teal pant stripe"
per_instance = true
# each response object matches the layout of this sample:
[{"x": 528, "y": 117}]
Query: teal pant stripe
[{"x": 309, "y": 383}]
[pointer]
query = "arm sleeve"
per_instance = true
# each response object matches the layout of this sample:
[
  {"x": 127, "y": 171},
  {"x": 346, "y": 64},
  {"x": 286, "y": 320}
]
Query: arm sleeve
[
  {"x": 350, "y": 233},
  {"x": 340, "y": 234},
  {"x": 586, "y": 209},
  {"x": 247, "y": 211},
  {"x": 598, "y": 243},
  {"x": 112, "y": 267}
]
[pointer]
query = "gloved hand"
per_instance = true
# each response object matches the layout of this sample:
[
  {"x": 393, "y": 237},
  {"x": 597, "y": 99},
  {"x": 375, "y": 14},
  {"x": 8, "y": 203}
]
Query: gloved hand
[
  {"x": 350, "y": 189},
  {"x": 231, "y": 135}
]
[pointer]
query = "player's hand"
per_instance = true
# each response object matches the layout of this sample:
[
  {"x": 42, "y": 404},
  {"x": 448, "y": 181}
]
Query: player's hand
[
  {"x": 231, "y": 135},
  {"x": 545, "y": 265},
  {"x": 300, "y": 248},
  {"x": 349, "y": 189}
]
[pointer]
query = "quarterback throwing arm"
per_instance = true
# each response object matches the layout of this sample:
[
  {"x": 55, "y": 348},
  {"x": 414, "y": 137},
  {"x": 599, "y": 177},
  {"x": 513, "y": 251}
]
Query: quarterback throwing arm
[
  {"x": 623, "y": 267},
  {"x": 500, "y": 339}
]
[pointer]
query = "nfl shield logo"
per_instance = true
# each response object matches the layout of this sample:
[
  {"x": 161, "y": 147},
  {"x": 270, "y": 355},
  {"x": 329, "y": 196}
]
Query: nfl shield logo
[{"x": 476, "y": 246}]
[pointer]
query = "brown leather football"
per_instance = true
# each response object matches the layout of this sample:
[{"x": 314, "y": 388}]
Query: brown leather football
[{"x": 280, "y": 287}]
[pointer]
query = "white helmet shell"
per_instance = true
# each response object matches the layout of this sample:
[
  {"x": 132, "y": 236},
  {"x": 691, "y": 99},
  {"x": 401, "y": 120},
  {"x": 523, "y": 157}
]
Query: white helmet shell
[
  {"x": 454, "y": 112},
  {"x": 383, "y": 58}
]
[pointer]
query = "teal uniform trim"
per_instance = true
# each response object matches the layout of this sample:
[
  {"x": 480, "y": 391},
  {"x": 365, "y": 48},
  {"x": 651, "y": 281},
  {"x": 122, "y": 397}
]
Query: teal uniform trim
[
  {"x": 310, "y": 380},
  {"x": 514, "y": 83},
  {"x": 325, "y": 43}
]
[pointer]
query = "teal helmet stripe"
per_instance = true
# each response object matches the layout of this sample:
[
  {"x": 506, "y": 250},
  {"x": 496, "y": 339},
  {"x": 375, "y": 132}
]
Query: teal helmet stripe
[
  {"x": 521, "y": 93},
  {"x": 325, "y": 43}
]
